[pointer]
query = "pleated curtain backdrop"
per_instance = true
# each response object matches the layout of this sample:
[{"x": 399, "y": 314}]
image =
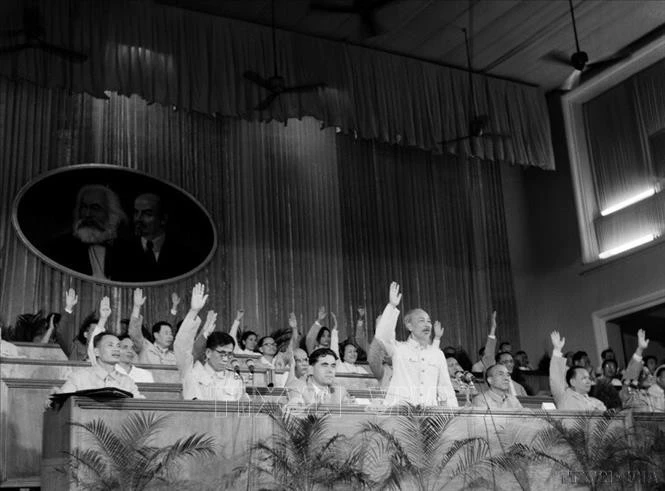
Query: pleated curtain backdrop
[
  {"x": 195, "y": 61},
  {"x": 305, "y": 216}
]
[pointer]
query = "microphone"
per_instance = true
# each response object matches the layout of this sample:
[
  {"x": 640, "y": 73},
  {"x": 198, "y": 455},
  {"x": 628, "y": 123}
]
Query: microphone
[
  {"x": 236, "y": 366},
  {"x": 250, "y": 365}
]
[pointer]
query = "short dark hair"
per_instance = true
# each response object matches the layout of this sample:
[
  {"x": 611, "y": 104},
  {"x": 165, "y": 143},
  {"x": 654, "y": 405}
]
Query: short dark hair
[
  {"x": 157, "y": 326},
  {"x": 343, "y": 346},
  {"x": 488, "y": 371},
  {"x": 122, "y": 337},
  {"x": 244, "y": 337},
  {"x": 520, "y": 352},
  {"x": 219, "y": 339},
  {"x": 504, "y": 343},
  {"x": 497, "y": 357},
  {"x": 87, "y": 322},
  {"x": 650, "y": 357},
  {"x": 98, "y": 338},
  {"x": 261, "y": 340},
  {"x": 320, "y": 333},
  {"x": 320, "y": 353},
  {"x": 579, "y": 355},
  {"x": 449, "y": 350},
  {"x": 605, "y": 351},
  {"x": 571, "y": 372}
]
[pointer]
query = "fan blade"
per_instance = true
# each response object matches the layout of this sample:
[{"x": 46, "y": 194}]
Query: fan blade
[
  {"x": 14, "y": 49},
  {"x": 496, "y": 135},
  {"x": 601, "y": 65},
  {"x": 257, "y": 79},
  {"x": 572, "y": 81},
  {"x": 558, "y": 57},
  {"x": 69, "y": 54},
  {"x": 265, "y": 103},
  {"x": 455, "y": 140},
  {"x": 304, "y": 88}
]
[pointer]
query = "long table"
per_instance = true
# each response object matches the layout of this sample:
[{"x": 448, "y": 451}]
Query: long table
[
  {"x": 25, "y": 385},
  {"x": 237, "y": 427}
]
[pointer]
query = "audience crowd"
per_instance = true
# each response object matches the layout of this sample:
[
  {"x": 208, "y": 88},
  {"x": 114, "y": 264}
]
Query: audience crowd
[{"x": 212, "y": 363}]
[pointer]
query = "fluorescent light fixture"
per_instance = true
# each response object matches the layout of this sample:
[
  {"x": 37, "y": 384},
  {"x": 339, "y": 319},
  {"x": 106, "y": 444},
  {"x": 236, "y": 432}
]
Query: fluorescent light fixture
[
  {"x": 628, "y": 202},
  {"x": 628, "y": 245}
]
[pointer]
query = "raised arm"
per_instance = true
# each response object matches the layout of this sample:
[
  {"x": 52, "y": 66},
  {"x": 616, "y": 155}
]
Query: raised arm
[
  {"x": 385, "y": 328},
  {"x": 66, "y": 341},
  {"x": 235, "y": 327},
  {"x": 360, "y": 332},
  {"x": 51, "y": 329},
  {"x": 334, "y": 335},
  {"x": 136, "y": 320},
  {"x": 557, "y": 367},
  {"x": 634, "y": 367},
  {"x": 184, "y": 340},
  {"x": 310, "y": 339},
  {"x": 490, "y": 344},
  {"x": 104, "y": 314},
  {"x": 175, "y": 301},
  {"x": 198, "y": 351},
  {"x": 438, "y": 334}
]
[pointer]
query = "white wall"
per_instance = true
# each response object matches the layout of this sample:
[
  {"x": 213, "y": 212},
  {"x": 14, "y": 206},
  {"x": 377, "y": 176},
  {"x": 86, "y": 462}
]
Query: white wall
[{"x": 545, "y": 253}]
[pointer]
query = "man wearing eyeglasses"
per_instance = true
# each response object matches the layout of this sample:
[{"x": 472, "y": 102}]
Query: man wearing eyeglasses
[{"x": 214, "y": 379}]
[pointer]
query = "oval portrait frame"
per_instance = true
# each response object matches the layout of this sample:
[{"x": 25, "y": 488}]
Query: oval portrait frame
[{"x": 111, "y": 176}]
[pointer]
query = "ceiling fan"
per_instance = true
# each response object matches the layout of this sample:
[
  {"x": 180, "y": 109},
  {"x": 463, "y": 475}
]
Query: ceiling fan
[
  {"x": 478, "y": 125},
  {"x": 276, "y": 84},
  {"x": 366, "y": 9},
  {"x": 579, "y": 60},
  {"x": 33, "y": 32}
]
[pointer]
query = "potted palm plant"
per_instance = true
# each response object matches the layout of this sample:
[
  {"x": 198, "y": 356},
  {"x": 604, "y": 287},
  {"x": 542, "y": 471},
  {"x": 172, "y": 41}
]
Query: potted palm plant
[
  {"x": 415, "y": 450},
  {"x": 302, "y": 455},
  {"x": 126, "y": 459}
]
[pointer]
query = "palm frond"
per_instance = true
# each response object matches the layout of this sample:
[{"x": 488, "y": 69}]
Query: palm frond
[
  {"x": 139, "y": 428},
  {"x": 116, "y": 450},
  {"x": 469, "y": 453},
  {"x": 90, "y": 462},
  {"x": 162, "y": 459}
]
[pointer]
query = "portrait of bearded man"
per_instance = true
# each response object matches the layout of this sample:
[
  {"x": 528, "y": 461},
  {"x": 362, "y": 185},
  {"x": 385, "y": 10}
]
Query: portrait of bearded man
[{"x": 93, "y": 247}]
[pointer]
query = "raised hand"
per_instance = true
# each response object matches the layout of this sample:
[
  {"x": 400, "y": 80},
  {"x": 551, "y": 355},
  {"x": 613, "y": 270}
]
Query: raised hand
[
  {"x": 293, "y": 321},
  {"x": 240, "y": 314},
  {"x": 175, "y": 301},
  {"x": 334, "y": 320},
  {"x": 642, "y": 341},
  {"x": 105, "y": 308},
  {"x": 71, "y": 299},
  {"x": 438, "y": 330},
  {"x": 199, "y": 297},
  {"x": 321, "y": 316},
  {"x": 361, "y": 312},
  {"x": 395, "y": 295},
  {"x": 493, "y": 324},
  {"x": 210, "y": 323},
  {"x": 139, "y": 298},
  {"x": 557, "y": 340}
]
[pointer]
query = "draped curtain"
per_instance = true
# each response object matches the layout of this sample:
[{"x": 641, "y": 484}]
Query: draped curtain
[
  {"x": 305, "y": 216},
  {"x": 624, "y": 127},
  {"x": 196, "y": 62}
]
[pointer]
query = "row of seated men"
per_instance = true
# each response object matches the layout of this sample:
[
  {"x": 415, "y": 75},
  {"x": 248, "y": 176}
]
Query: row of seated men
[{"x": 419, "y": 372}]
